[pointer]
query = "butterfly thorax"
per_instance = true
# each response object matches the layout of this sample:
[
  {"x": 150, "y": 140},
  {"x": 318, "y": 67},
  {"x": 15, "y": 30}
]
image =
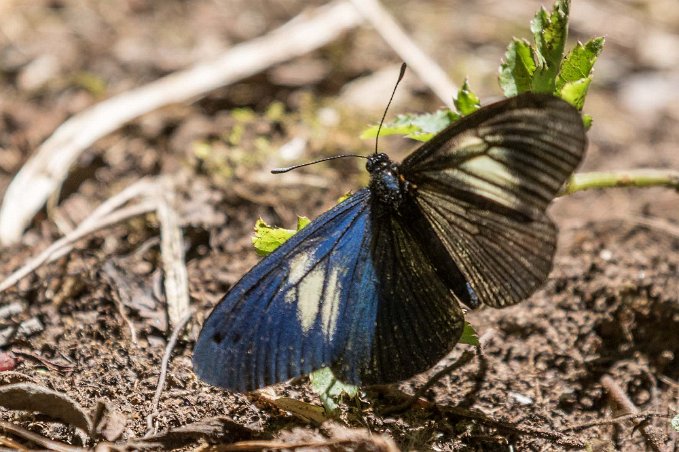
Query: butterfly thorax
[{"x": 386, "y": 184}]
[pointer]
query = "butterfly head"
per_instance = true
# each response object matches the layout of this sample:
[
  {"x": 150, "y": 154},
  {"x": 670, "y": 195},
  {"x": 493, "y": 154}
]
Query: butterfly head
[{"x": 386, "y": 184}]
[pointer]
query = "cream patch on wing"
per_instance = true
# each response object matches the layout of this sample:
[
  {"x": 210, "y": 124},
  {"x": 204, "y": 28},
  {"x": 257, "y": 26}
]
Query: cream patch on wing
[
  {"x": 309, "y": 295},
  {"x": 468, "y": 145},
  {"x": 488, "y": 178},
  {"x": 331, "y": 301},
  {"x": 298, "y": 266},
  {"x": 492, "y": 170}
]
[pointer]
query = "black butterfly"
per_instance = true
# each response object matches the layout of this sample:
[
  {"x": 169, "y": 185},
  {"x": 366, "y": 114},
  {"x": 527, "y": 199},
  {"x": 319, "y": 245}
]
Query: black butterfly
[{"x": 372, "y": 288}]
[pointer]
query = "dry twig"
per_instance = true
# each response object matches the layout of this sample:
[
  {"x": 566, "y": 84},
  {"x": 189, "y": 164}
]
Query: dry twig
[
  {"x": 64, "y": 245},
  {"x": 375, "y": 442},
  {"x": 179, "y": 327},
  {"x": 559, "y": 438},
  {"x": 614, "y": 420},
  {"x": 653, "y": 436},
  {"x": 47, "y": 169},
  {"x": 172, "y": 252},
  {"x": 37, "y": 439}
]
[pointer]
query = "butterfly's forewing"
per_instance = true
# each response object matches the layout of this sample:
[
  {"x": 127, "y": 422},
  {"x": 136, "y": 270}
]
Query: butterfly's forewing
[{"x": 484, "y": 184}]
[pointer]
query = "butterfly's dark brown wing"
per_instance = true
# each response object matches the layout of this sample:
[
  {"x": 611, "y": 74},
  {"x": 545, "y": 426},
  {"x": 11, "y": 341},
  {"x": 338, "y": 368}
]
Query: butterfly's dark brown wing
[
  {"x": 418, "y": 319},
  {"x": 484, "y": 184}
]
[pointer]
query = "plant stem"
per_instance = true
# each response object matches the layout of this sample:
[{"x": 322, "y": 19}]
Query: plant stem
[{"x": 623, "y": 178}]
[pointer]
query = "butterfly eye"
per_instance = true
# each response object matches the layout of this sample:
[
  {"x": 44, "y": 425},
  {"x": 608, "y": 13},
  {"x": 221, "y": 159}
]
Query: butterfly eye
[{"x": 377, "y": 162}]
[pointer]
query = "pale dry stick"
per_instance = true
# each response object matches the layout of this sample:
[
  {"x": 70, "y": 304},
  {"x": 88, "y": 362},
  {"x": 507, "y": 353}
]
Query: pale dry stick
[
  {"x": 176, "y": 279},
  {"x": 614, "y": 420},
  {"x": 142, "y": 188},
  {"x": 425, "y": 67},
  {"x": 64, "y": 245},
  {"x": 46, "y": 170},
  {"x": 377, "y": 442},
  {"x": 653, "y": 436},
  {"x": 178, "y": 328},
  {"x": 40, "y": 440}
]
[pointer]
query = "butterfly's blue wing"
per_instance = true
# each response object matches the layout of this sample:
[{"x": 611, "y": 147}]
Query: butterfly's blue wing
[
  {"x": 354, "y": 291},
  {"x": 295, "y": 311}
]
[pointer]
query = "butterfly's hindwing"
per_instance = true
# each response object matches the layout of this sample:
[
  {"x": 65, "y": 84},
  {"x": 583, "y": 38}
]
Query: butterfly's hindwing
[
  {"x": 484, "y": 184},
  {"x": 419, "y": 319}
]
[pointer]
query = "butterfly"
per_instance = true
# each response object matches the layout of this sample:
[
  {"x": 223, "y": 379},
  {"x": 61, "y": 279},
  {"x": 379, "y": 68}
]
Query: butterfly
[{"x": 373, "y": 288}]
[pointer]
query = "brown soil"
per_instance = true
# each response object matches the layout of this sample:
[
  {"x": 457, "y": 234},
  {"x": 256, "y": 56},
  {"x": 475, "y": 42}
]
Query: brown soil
[{"x": 610, "y": 307}]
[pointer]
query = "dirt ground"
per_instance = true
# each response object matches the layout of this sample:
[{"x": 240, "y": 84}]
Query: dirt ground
[{"x": 608, "y": 316}]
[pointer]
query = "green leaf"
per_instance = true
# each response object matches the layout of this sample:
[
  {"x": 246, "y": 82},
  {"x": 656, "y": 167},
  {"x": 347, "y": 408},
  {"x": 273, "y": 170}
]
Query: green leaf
[
  {"x": 268, "y": 238},
  {"x": 393, "y": 128},
  {"x": 675, "y": 422},
  {"x": 466, "y": 102},
  {"x": 434, "y": 122},
  {"x": 516, "y": 71},
  {"x": 302, "y": 222},
  {"x": 330, "y": 389},
  {"x": 417, "y": 127},
  {"x": 469, "y": 335},
  {"x": 574, "y": 92},
  {"x": 579, "y": 62},
  {"x": 587, "y": 120},
  {"x": 550, "y": 32},
  {"x": 419, "y": 136}
]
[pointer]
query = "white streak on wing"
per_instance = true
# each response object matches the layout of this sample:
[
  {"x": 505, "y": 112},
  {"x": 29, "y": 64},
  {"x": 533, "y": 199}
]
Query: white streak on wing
[
  {"x": 468, "y": 145},
  {"x": 291, "y": 295},
  {"x": 331, "y": 301},
  {"x": 309, "y": 295},
  {"x": 298, "y": 266},
  {"x": 491, "y": 170}
]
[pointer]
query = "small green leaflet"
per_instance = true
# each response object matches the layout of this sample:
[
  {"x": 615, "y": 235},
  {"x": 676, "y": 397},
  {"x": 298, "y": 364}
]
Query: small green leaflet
[
  {"x": 469, "y": 335},
  {"x": 516, "y": 71},
  {"x": 576, "y": 72},
  {"x": 537, "y": 67},
  {"x": 579, "y": 62},
  {"x": 422, "y": 127},
  {"x": 466, "y": 101},
  {"x": 549, "y": 32},
  {"x": 542, "y": 67},
  {"x": 268, "y": 238},
  {"x": 417, "y": 127},
  {"x": 330, "y": 389}
]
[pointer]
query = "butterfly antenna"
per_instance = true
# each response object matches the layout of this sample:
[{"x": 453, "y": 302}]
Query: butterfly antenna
[
  {"x": 290, "y": 168},
  {"x": 400, "y": 77}
]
